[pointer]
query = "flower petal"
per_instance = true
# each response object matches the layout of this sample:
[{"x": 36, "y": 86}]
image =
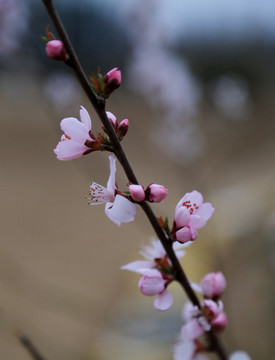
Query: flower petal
[
  {"x": 137, "y": 265},
  {"x": 69, "y": 149},
  {"x": 75, "y": 129},
  {"x": 85, "y": 118},
  {"x": 204, "y": 212},
  {"x": 195, "y": 197},
  {"x": 182, "y": 216},
  {"x": 151, "y": 285},
  {"x": 184, "y": 350},
  {"x": 186, "y": 234},
  {"x": 121, "y": 210},
  {"x": 239, "y": 355},
  {"x": 111, "y": 184},
  {"x": 164, "y": 301},
  {"x": 191, "y": 330}
]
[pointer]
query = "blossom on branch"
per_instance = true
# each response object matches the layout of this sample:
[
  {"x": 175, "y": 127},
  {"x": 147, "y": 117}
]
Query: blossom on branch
[
  {"x": 156, "y": 271},
  {"x": 118, "y": 208},
  {"x": 77, "y": 139},
  {"x": 190, "y": 214}
]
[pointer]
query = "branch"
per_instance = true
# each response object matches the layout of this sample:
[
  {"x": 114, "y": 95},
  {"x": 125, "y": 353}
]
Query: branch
[
  {"x": 29, "y": 346},
  {"x": 99, "y": 106}
]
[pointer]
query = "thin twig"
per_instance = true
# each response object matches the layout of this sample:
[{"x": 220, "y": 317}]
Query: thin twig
[
  {"x": 99, "y": 107},
  {"x": 30, "y": 347}
]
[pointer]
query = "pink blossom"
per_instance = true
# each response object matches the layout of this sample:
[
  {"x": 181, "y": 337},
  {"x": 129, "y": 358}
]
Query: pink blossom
[
  {"x": 118, "y": 208},
  {"x": 156, "y": 193},
  {"x": 156, "y": 271},
  {"x": 190, "y": 214},
  {"x": 76, "y": 135},
  {"x": 111, "y": 81},
  {"x": 213, "y": 285},
  {"x": 137, "y": 192},
  {"x": 55, "y": 50}
]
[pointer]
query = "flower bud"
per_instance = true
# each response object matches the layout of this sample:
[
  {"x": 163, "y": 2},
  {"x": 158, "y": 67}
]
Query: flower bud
[
  {"x": 112, "y": 119},
  {"x": 111, "y": 81},
  {"x": 122, "y": 128},
  {"x": 213, "y": 285},
  {"x": 220, "y": 322},
  {"x": 137, "y": 192},
  {"x": 156, "y": 193},
  {"x": 55, "y": 50}
]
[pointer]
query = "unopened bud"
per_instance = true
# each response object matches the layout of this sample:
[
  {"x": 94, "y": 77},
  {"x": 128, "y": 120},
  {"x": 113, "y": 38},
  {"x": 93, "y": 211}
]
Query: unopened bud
[
  {"x": 122, "y": 128},
  {"x": 56, "y": 50},
  {"x": 213, "y": 285},
  {"x": 112, "y": 119},
  {"x": 137, "y": 192},
  {"x": 220, "y": 322},
  {"x": 111, "y": 81},
  {"x": 156, "y": 193}
]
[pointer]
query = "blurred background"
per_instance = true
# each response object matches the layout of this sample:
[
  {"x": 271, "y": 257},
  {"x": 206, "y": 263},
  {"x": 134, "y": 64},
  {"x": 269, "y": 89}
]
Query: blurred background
[{"x": 198, "y": 90}]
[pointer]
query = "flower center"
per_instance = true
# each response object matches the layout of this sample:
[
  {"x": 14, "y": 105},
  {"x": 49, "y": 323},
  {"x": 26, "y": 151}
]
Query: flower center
[
  {"x": 99, "y": 194},
  {"x": 191, "y": 207}
]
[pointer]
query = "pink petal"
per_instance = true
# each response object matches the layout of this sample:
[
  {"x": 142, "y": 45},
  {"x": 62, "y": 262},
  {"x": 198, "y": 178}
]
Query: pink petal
[
  {"x": 151, "y": 285},
  {"x": 137, "y": 265},
  {"x": 164, "y": 301},
  {"x": 195, "y": 197},
  {"x": 186, "y": 234},
  {"x": 239, "y": 355},
  {"x": 184, "y": 350},
  {"x": 85, "y": 118},
  {"x": 111, "y": 184},
  {"x": 182, "y": 216},
  {"x": 204, "y": 212},
  {"x": 150, "y": 272},
  {"x": 121, "y": 210},
  {"x": 191, "y": 330},
  {"x": 69, "y": 149},
  {"x": 75, "y": 129}
]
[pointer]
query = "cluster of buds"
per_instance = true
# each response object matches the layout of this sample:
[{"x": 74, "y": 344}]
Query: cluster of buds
[
  {"x": 54, "y": 48},
  {"x": 120, "y": 128},
  {"x": 153, "y": 193},
  {"x": 198, "y": 321}
]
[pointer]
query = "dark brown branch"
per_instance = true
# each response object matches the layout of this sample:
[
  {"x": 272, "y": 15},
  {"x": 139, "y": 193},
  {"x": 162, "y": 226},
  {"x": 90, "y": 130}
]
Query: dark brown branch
[
  {"x": 29, "y": 346},
  {"x": 99, "y": 107}
]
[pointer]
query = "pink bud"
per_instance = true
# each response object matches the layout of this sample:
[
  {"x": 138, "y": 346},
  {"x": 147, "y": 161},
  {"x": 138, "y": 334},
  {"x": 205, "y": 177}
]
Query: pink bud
[
  {"x": 156, "y": 193},
  {"x": 112, "y": 119},
  {"x": 55, "y": 50},
  {"x": 213, "y": 285},
  {"x": 137, "y": 192},
  {"x": 111, "y": 81},
  {"x": 122, "y": 128},
  {"x": 220, "y": 322}
]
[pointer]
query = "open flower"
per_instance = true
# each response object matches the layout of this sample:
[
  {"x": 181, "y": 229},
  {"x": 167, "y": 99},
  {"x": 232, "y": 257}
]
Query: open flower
[
  {"x": 77, "y": 139},
  {"x": 190, "y": 214},
  {"x": 118, "y": 208},
  {"x": 156, "y": 271}
]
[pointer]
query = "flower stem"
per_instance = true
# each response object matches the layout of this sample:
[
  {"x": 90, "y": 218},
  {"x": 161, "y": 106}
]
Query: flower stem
[{"x": 99, "y": 106}]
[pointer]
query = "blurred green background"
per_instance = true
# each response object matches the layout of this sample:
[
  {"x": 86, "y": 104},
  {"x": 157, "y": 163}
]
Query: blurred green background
[{"x": 198, "y": 90}]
